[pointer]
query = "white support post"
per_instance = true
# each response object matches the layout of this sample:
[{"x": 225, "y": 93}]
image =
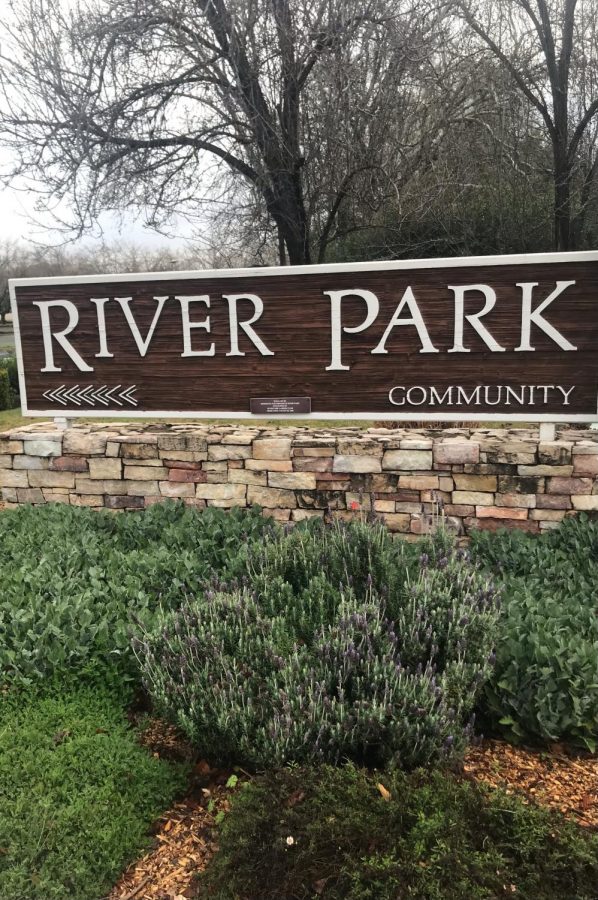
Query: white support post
[
  {"x": 547, "y": 432},
  {"x": 62, "y": 422}
]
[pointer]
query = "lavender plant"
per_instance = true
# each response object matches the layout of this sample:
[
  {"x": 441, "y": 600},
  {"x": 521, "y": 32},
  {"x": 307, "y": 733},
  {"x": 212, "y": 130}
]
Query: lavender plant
[{"x": 341, "y": 644}]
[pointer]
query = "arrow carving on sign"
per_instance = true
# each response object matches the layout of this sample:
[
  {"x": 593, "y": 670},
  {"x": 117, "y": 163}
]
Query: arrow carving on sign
[{"x": 92, "y": 396}]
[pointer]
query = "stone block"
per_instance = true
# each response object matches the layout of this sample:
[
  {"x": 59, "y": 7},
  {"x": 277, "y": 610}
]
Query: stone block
[
  {"x": 270, "y": 498},
  {"x": 473, "y": 498},
  {"x": 407, "y": 460},
  {"x": 11, "y": 447},
  {"x": 9, "y": 495},
  {"x": 105, "y": 468},
  {"x": 182, "y": 464},
  {"x": 553, "y": 501},
  {"x": 384, "y": 506},
  {"x": 174, "y": 489},
  {"x": 69, "y": 464},
  {"x": 222, "y": 467},
  {"x": 312, "y": 464},
  {"x": 141, "y": 488},
  {"x": 42, "y": 448},
  {"x": 139, "y": 451},
  {"x": 586, "y": 464},
  {"x": 446, "y": 483},
  {"x": 112, "y": 448},
  {"x": 173, "y": 442},
  {"x": 500, "y": 512},
  {"x": 528, "y": 525},
  {"x": 509, "y": 452},
  {"x": 313, "y": 451},
  {"x": 347, "y": 464},
  {"x": 55, "y": 495},
  {"x": 243, "y": 476},
  {"x": 357, "y": 502},
  {"x": 459, "y": 509},
  {"x": 569, "y": 486},
  {"x": 241, "y": 437},
  {"x": 269, "y": 465},
  {"x": 299, "y": 515},
  {"x": 145, "y": 473},
  {"x": 358, "y": 447},
  {"x": 547, "y": 515},
  {"x": 521, "y": 501},
  {"x": 219, "y": 452},
  {"x": 30, "y": 495},
  {"x": 292, "y": 480},
  {"x": 476, "y": 482},
  {"x": 272, "y": 448},
  {"x": 6, "y": 461},
  {"x": 397, "y": 521},
  {"x": 416, "y": 443},
  {"x": 420, "y": 482},
  {"x": 96, "y": 500},
  {"x": 187, "y": 476},
  {"x": 196, "y": 442},
  {"x": 31, "y": 462},
  {"x": 585, "y": 448},
  {"x": 222, "y": 491},
  {"x": 521, "y": 484},
  {"x": 87, "y": 486},
  {"x": 52, "y": 479},
  {"x": 456, "y": 452},
  {"x": 82, "y": 444},
  {"x": 555, "y": 453},
  {"x": 584, "y": 501},
  {"x": 545, "y": 470},
  {"x": 118, "y": 501}
]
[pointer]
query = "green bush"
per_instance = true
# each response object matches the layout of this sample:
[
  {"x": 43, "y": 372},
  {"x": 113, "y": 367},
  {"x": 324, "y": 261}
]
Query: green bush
[
  {"x": 74, "y": 579},
  {"x": 9, "y": 365},
  {"x": 77, "y": 793},
  {"x": 343, "y": 644},
  {"x": 4, "y": 390},
  {"x": 545, "y": 684},
  {"x": 329, "y": 833}
]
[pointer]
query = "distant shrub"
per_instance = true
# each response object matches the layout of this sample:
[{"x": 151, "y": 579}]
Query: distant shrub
[
  {"x": 328, "y": 832},
  {"x": 9, "y": 365},
  {"x": 4, "y": 390},
  {"x": 341, "y": 644},
  {"x": 545, "y": 684},
  {"x": 73, "y": 580}
]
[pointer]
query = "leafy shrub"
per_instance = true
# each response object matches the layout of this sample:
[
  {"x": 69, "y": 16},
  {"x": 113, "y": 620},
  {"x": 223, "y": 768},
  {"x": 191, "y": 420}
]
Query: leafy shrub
[
  {"x": 342, "y": 643},
  {"x": 73, "y": 579},
  {"x": 545, "y": 684},
  {"x": 77, "y": 793},
  {"x": 329, "y": 833},
  {"x": 4, "y": 390},
  {"x": 9, "y": 363}
]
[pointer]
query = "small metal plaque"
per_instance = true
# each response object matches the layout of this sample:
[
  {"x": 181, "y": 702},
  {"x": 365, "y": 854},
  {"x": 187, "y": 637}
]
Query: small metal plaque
[{"x": 280, "y": 406}]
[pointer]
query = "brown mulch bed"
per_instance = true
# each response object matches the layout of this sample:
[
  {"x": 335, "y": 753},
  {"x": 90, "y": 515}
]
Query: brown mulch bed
[
  {"x": 186, "y": 836},
  {"x": 556, "y": 779}
]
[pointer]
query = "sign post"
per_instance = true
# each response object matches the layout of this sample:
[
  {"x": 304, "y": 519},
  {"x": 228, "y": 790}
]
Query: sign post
[{"x": 484, "y": 339}]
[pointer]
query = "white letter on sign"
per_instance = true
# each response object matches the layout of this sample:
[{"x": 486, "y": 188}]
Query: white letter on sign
[
  {"x": 258, "y": 305},
  {"x": 336, "y": 297},
  {"x": 416, "y": 319},
  {"x": 527, "y": 316},
  {"x": 188, "y": 325},
  {"x": 60, "y": 336},
  {"x": 474, "y": 318},
  {"x": 142, "y": 345}
]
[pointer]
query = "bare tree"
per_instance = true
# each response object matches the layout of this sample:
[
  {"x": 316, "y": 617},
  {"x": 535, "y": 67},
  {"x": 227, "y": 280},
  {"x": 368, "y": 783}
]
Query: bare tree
[
  {"x": 112, "y": 103},
  {"x": 550, "y": 49}
]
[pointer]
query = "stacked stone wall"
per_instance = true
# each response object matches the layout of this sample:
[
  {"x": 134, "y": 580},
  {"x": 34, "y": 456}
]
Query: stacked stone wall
[{"x": 476, "y": 478}]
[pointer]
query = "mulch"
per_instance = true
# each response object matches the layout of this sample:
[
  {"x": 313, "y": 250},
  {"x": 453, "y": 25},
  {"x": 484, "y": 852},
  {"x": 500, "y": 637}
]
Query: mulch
[{"x": 186, "y": 836}]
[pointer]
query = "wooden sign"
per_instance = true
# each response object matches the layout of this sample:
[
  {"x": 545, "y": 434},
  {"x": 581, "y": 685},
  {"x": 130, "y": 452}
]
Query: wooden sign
[{"x": 484, "y": 338}]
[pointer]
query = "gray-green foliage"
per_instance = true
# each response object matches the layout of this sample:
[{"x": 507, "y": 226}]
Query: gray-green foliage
[
  {"x": 73, "y": 579},
  {"x": 340, "y": 643},
  {"x": 545, "y": 684}
]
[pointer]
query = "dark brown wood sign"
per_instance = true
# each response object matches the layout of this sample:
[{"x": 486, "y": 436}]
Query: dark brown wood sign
[{"x": 485, "y": 338}]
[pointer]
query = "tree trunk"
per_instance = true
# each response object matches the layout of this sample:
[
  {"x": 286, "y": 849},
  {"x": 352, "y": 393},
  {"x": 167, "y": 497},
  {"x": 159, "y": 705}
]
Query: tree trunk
[{"x": 562, "y": 198}]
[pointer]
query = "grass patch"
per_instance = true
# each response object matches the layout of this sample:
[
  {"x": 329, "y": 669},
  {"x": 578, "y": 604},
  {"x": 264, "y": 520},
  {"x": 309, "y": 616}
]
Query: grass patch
[
  {"x": 77, "y": 793},
  {"x": 330, "y": 833}
]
